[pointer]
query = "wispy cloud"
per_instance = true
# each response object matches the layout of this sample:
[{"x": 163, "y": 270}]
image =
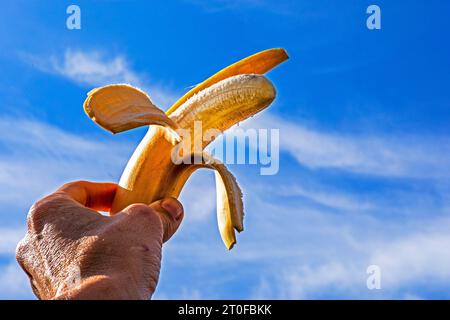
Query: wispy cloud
[
  {"x": 9, "y": 239},
  {"x": 310, "y": 251},
  {"x": 414, "y": 259},
  {"x": 35, "y": 158},
  {"x": 199, "y": 196},
  {"x": 59, "y": 156},
  {"x": 295, "y": 252},
  {"x": 334, "y": 199},
  {"x": 14, "y": 283},
  {"x": 291, "y": 247},
  {"x": 420, "y": 257},
  {"x": 375, "y": 154},
  {"x": 398, "y": 156},
  {"x": 96, "y": 68}
]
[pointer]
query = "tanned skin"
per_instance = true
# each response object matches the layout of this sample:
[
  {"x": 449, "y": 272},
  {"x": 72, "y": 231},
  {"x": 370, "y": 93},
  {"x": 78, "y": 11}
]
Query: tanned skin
[{"x": 71, "y": 251}]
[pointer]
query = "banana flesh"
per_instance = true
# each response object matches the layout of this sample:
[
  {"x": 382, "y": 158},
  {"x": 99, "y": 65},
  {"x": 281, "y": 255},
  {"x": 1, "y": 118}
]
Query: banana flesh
[
  {"x": 258, "y": 63},
  {"x": 121, "y": 107},
  {"x": 230, "y": 209},
  {"x": 226, "y": 103},
  {"x": 228, "y": 97}
]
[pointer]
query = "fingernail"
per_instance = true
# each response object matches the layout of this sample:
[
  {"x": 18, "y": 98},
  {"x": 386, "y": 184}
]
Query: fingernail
[{"x": 173, "y": 207}]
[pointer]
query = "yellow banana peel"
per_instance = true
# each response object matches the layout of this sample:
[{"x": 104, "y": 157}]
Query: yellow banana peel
[{"x": 153, "y": 172}]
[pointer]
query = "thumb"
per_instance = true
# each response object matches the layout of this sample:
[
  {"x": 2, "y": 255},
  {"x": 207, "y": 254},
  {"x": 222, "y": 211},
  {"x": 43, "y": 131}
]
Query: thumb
[{"x": 171, "y": 213}]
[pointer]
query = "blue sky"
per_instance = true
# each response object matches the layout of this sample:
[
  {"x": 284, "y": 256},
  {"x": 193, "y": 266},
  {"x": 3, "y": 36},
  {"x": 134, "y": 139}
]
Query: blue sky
[{"x": 364, "y": 138}]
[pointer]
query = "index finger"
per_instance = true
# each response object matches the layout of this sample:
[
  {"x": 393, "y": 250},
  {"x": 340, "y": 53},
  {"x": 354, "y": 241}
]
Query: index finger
[{"x": 97, "y": 196}]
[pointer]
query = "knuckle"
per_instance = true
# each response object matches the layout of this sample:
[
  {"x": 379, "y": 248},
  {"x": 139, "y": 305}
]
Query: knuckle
[
  {"x": 141, "y": 210},
  {"x": 145, "y": 216},
  {"x": 23, "y": 253},
  {"x": 42, "y": 210},
  {"x": 73, "y": 183},
  {"x": 21, "y": 250},
  {"x": 36, "y": 215}
]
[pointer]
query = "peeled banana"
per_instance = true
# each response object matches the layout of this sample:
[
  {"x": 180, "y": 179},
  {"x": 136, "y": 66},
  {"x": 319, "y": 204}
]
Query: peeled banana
[{"x": 225, "y": 99}]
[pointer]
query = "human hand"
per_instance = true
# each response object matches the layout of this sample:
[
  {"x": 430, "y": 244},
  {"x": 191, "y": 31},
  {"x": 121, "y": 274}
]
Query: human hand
[{"x": 71, "y": 251}]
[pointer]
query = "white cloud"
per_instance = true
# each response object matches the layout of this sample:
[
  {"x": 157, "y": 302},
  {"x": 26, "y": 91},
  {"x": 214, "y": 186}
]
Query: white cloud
[
  {"x": 334, "y": 198},
  {"x": 312, "y": 281},
  {"x": 199, "y": 196},
  {"x": 380, "y": 155},
  {"x": 93, "y": 68},
  {"x": 398, "y": 156},
  {"x": 14, "y": 283},
  {"x": 96, "y": 68},
  {"x": 36, "y": 158},
  {"x": 417, "y": 258},
  {"x": 409, "y": 255},
  {"x": 297, "y": 250},
  {"x": 9, "y": 239}
]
